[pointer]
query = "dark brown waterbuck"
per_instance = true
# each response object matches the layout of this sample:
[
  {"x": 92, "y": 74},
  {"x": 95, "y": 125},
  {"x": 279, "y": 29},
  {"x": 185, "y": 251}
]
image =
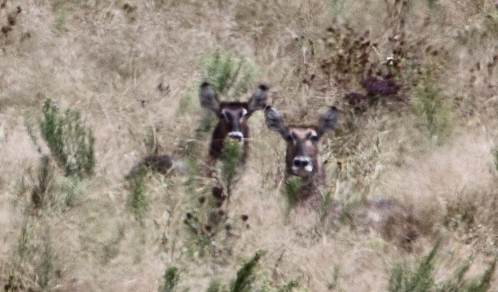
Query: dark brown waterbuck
[
  {"x": 232, "y": 118},
  {"x": 387, "y": 218}
]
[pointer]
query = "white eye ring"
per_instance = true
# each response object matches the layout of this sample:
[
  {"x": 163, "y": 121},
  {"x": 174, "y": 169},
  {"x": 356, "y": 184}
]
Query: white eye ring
[
  {"x": 313, "y": 136},
  {"x": 224, "y": 114}
]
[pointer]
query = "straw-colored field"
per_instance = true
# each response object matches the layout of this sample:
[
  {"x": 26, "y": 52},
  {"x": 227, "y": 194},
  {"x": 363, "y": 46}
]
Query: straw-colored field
[{"x": 132, "y": 69}]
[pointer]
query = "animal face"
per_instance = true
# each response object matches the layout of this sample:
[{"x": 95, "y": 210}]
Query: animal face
[
  {"x": 233, "y": 120},
  {"x": 302, "y": 155},
  {"x": 232, "y": 116},
  {"x": 302, "y": 149}
]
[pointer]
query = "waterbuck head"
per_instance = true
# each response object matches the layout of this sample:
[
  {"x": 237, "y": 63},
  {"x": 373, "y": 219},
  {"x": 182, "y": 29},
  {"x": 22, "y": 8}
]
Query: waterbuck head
[
  {"x": 302, "y": 156},
  {"x": 232, "y": 117}
]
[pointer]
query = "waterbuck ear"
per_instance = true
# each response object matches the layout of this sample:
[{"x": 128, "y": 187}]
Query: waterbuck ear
[
  {"x": 274, "y": 121},
  {"x": 208, "y": 97},
  {"x": 327, "y": 121},
  {"x": 258, "y": 99}
]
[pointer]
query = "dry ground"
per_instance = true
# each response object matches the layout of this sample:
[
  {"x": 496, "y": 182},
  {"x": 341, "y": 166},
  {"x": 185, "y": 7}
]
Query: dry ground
[{"x": 106, "y": 57}]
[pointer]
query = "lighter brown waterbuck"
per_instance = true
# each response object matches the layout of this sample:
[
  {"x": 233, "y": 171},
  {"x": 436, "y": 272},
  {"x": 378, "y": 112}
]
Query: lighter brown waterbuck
[
  {"x": 387, "y": 218},
  {"x": 232, "y": 118},
  {"x": 302, "y": 157}
]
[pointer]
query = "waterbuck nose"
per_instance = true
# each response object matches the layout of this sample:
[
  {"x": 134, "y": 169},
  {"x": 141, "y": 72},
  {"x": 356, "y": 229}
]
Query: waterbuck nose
[
  {"x": 236, "y": 135},
  {"x": 301, "y": 161}
]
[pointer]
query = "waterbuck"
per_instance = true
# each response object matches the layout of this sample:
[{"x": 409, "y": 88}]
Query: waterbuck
[
  {"x": 232, "y": 118},
  {"x": 387, "y": 218},
  {"x": 302, "y": 157}
]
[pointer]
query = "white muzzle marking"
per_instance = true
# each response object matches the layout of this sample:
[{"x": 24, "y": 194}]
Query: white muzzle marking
[
  {"x": 237, "y": 135},
  {"x": 301, "y": 163}
]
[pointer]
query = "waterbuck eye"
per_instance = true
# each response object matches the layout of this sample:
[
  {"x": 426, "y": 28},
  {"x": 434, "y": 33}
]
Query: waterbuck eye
[
  {"x": 314, "y": 138},
  {"x": 289, "y": 138},
  {"x": 223, "y": 115}
]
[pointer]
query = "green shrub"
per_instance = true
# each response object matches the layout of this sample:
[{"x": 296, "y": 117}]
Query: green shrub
[
  {"x": 45, "y": 268},
  {"x": 494, "y": 152},
  {"x": 422, "y": 278},
  {"x": 137, "y": 199},
  {"x": 214, "y": 286},
  {"x": 171, "y": 278},
  {"x": 59, "y": 25},
  {"x": 337, "y": 8},
  {"x": 44, "y": 182},
  {"x": 431, "y": 109},
  {"x": 291, "y": 187},
  {"x": 70, "y": 142},
  {"x": 325, "y": 200},
  {"x": 227, "y": 164},
  {"x": 230, "y": 76},
  {"x": 246, "y": 276},
  {"x": 32, "y": 267}
]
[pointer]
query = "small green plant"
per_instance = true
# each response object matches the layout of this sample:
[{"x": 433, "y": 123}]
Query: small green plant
[
  {"x": 337, "y": 7},
  {"x": 292, "y": 185},
  {"x": 214, "y": 286},
  {"x": 325, "y": 200},
  {"x": 431, "y": 109},
  {"x": 246, "y": 276},
  {"x": 33, "y": 264},
  {"x": 110, "y": 248},
  {"x": 211, "y": 226},
  {"x": 432, "y": 3},
  {"x": 70, "y": 142},
  {"x": 494, "y": 152},
  {"x": 20, "y": 269},
  {"x": 458, "y": 283},
  {"x": 228, "y": 163},
  {"x": 250, "y": 278},
  {"x": 159, "y": 3},
  {"x": 171, "y": 278},
  {"x": 45, "y": 268},
  {"x": 207, "y": 223},
  {"x": 137, "y": 199},
  {"x": 60, "y": 21},
  {"x": 71, "y": 187},
  {"x": 44, "y": 181},
  {"x": 333, "y": 283},
  {"x": 423, "y": 279},
  {"x": 289, "y": 286},
  {"x": 229, "y": 75},
  {"x": 24, "y": 251}
]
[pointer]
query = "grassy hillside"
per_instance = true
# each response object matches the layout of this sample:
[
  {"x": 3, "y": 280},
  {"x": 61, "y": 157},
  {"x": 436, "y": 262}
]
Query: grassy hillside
[{"x": 415, "y": 85}]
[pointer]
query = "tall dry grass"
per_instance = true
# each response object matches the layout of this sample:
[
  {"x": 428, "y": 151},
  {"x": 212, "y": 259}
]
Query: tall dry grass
[{"x": 127, "y": 66}]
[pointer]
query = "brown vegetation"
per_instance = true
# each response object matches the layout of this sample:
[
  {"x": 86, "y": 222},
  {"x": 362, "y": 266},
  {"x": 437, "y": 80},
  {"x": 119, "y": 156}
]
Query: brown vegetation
[{"x": 414, "y": 85}]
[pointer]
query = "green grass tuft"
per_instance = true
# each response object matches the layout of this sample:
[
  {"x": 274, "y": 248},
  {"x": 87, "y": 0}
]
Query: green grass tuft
[
  {"x": 138, "y": 202},
  {"x": 246, "y": 275},
  {"x": 171, "y": 278},
  {"x": 229, "y": 75},
  {"x": 70, "y": 142},
  {"x": 292, "y": 185},
  {"x": 227, "y": 164},
  {"x": 431, "y": 109}
]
